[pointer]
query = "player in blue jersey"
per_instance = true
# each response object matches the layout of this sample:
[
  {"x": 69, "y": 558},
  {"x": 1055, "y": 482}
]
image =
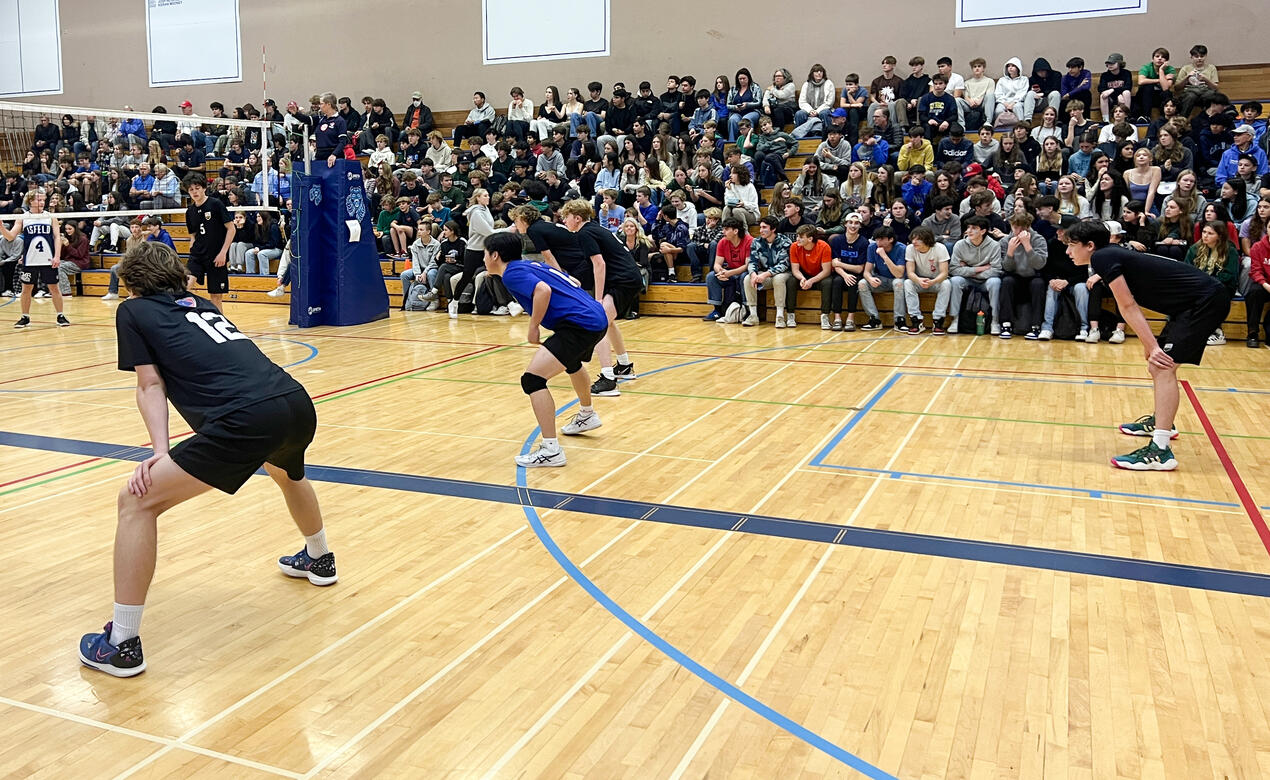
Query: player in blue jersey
[
  {"x": 41, "y": 255},
  {"x": 577, "y": 321}
]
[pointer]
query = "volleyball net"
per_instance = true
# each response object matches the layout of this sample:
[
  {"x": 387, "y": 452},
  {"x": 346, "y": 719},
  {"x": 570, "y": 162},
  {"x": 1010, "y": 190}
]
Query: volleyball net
[{"x": 88, "y": 161}]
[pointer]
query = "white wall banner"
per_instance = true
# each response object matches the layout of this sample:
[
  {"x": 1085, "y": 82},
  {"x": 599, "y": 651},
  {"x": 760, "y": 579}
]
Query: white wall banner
[
  {"x": 516, "y": 31},
  {"x": 30, "y": 48},
  {"x": 979, "y": 13},
  {"x": 193, "y": 42}
]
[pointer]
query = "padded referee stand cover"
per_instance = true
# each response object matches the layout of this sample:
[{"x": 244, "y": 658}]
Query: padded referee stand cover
[{"x": 334, "y": 281}]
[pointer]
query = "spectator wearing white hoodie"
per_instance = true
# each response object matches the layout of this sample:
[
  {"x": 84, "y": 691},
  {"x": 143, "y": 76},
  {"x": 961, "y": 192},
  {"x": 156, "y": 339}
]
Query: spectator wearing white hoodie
[
  {"x": 1011, "y": 91},
  {"x": 815, "y": 100}
]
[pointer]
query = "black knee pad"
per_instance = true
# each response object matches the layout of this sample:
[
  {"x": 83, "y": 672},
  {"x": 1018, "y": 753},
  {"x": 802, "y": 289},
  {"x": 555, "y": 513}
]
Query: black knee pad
[
  {"x": 532, "y": 383},
  {"x": 573, "y": 369}
]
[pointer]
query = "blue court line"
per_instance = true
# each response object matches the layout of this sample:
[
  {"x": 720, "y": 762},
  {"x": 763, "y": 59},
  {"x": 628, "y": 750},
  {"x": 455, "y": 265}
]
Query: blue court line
[
  {"x": 1091, "y": 492},
  {"x": 819, "y": 459},
  {"x": 313, "y": 352},
  {"x": 653, "y": 638}
]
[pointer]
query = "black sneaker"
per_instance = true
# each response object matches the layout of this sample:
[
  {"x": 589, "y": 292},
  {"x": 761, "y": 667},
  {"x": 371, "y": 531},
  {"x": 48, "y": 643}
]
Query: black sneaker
[
  {"x": 1033, "y": 334},
  {"x": 1007, "y": 330},
  {"x": 873, "y": 324},
  {"x": 605, "y": 386},
  {"x": 900, "y": 324},
  {"x": 23, "y": 321},
  {"x": 62, "y": 322},
  {"x": 319, "y": 571},
  {"x": 625, "y": 372}
]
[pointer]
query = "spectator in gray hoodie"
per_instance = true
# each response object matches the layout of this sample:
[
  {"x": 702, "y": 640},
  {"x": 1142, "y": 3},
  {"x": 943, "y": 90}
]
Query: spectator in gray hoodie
[
  {"x": 1023, "y": 255},
  {"x": 943, "y": 223},
  {"x": 976, "y": 263},
  {"x": 834, "y": 153},
  {"x": 423, "y": 264}
]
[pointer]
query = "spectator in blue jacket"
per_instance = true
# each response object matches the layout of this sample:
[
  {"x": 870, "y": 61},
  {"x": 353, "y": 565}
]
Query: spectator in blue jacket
[
  {"x": 1227, "y": 168},
  {"x": 133, "y": 129},
  {"x": 872, "y": 150}
]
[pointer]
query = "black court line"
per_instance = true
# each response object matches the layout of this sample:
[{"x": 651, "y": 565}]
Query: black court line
[{"x": 1049, "y": 559}]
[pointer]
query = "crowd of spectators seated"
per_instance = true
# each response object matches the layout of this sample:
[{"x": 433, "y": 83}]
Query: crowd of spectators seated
[{"x": 926, "y": 163}]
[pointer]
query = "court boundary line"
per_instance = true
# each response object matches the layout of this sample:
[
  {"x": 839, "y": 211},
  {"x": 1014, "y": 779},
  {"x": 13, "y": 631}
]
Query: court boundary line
[
  {"x": 167, "y": 744},
  {"x": 1094, "y": 493},
  {"x": 693, "y": 749},
  {"x": 1232, "y": 473},
  {"x": 523, "y": 499},
  {"x": 183, "y": 740}
]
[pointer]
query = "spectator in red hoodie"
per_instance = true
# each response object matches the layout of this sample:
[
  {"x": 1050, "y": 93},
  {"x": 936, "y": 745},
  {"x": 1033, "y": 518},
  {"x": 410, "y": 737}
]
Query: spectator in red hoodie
[{"x": 1258, "y": 292}]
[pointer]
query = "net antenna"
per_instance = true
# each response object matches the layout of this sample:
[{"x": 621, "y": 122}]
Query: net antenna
[{"x": 18, "y": 136}]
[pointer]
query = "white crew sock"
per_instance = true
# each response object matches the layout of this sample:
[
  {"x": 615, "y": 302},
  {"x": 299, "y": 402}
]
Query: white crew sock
[
  {"x": 315, "y": 545},
  {"x": 780, "y": 313},
  {"x": 1162, "y": 438},
  {"x": 586, "y": 409},
  {"x": 127, "y": 623},
  {"x": 550, "y": 445},
  {"x": 607, "y": 372},
  {"x": 624, "y": 359}
]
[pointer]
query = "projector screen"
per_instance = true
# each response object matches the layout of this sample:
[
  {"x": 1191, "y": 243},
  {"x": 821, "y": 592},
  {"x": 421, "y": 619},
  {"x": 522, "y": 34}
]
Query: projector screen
[
  {"x": 193, "y": 42},
  {"x": 515, "y": 31},
  {"x": 30, "y": 48},
  {"x": 980, "y": 13}
]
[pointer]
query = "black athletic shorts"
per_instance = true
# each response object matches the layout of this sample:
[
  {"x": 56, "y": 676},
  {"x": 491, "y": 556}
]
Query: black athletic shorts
[
  {"x": 1186, "y": 334},
  {"x": 623, "y": 297},
  {"x": 37, "y": 273},
  {"x": 217, "y": 276},
  {"x": 573, "y": 346},
  {"x": 229, "y": 449}
]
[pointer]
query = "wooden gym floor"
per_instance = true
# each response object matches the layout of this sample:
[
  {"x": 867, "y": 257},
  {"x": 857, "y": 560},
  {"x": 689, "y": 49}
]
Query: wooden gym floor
[{"x": 788, "y": 553}]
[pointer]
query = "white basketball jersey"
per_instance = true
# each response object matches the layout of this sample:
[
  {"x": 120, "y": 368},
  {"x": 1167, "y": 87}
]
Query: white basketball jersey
[{"x": 37, "y": 239}]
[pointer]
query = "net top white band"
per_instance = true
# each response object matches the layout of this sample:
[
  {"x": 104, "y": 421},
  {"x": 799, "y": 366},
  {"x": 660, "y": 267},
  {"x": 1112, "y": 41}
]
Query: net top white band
[
  {"x": 81, "y": 112},
  {"x": 64, "y": 215}
]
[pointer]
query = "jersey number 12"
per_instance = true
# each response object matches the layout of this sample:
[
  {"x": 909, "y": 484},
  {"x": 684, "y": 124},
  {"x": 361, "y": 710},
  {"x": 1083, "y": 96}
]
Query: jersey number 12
[{"x": 215, "y": 326}]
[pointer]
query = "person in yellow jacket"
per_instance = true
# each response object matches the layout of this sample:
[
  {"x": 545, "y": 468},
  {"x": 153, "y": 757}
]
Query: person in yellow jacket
[{"x": 918, "y": 151}]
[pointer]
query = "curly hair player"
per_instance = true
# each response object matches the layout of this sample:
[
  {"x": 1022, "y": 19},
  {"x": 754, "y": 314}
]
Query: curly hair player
[
  {"x": 246, "y": 413},
  {"x": 578, "y": 323},
  {"x": 1196, "y": 304}
]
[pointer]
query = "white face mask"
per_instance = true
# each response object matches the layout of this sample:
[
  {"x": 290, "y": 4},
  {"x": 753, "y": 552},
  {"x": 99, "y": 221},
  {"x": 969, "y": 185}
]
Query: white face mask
[{"x": 417, "y": 101}]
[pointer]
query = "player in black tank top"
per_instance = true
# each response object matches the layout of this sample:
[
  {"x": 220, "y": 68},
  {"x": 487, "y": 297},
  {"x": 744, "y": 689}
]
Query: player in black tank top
[
  {"x": 41, "y": 255},
  {"x": 246, "y": 413},
  {"x": 1196, "y": 304},
  {"x": 616, "y": 282}
]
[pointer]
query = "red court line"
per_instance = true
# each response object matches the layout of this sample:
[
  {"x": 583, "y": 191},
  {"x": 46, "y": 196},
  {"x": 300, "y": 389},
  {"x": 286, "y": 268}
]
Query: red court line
[
  {"x": 1241, "y": 489},
  {"x": 883, "y": 365},
  {"x": 30, "y": 477},
  {"x": 46, "y": 473},
  {"x": 63, "y": 371},
  {"x": 407, "y": 371}
]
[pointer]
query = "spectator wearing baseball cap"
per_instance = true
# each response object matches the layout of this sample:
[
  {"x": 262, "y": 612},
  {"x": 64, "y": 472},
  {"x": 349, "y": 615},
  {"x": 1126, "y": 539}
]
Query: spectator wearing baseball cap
[
  {"x": 1115, "y": 85},
  {"x": 188, "y": 126},
  {"x": 1228, "y": 167},
  {"x": 418, "y": 114}
]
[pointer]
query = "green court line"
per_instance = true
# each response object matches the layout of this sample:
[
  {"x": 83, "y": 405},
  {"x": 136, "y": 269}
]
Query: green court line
[
  {"x": 386, "y": 382},
  {"x": 829, "y": 347},
  {"x": 627, "y": 391},
  {"x": 322, "y": 400},
  {"x": 77, "y": 472}
]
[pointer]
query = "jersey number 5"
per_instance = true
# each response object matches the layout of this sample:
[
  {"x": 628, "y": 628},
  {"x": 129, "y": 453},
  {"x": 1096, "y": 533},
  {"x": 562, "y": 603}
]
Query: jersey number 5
[{"x": 215, "y": 326}]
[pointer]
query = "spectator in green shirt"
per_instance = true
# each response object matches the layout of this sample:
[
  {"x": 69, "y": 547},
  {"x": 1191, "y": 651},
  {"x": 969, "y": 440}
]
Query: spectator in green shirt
[{"x": 1155, "y": 82}]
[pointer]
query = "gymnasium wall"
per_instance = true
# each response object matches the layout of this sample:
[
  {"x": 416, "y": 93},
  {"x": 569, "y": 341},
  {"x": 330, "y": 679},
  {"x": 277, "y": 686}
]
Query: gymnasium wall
[{"x": 389, "y": 48}]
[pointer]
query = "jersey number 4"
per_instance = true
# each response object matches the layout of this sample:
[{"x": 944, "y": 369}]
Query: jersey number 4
[{"x": 215, "y": 326}]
